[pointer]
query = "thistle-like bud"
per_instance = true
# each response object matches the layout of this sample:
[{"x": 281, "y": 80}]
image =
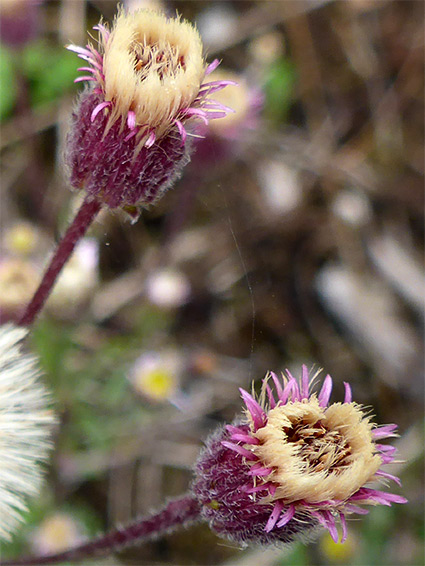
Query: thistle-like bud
[
  {"x": 292, "y": 464},
  {"x": 130, "y": 132}
]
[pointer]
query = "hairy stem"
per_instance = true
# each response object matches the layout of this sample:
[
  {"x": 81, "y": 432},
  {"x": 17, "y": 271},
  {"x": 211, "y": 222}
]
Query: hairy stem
[
  {"x": 74, "y": 233},
  {"x": 176, "y": 513}
]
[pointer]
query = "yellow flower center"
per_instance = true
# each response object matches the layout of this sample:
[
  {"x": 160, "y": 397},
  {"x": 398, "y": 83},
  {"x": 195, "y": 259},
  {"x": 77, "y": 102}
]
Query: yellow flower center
[
  {"x": 317, "y": 453},
  {"x": 158, "y": 384}
]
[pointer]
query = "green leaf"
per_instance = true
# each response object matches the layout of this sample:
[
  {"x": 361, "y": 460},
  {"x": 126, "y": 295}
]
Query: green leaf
[
  {"x": 279, "y": 89},
  {"x": 297, "y": 556},
  {"x": 50, "y": 70},
  {"x": 7, "y": 83}
]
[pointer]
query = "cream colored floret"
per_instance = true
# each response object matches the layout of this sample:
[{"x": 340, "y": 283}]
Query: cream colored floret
[
  {"x": 295, "y": 479},
  {"x": 156, "y": 92}
]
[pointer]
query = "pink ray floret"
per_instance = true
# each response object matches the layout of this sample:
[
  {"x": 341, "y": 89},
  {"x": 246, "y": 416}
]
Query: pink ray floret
[
  {"x": 232, "y": 429},
  {"x": 131, "y": 119},
  {"x": 286, "y": 516},
  {"x": 181, "y": 130},
  {"x": 212, "y": 67},
  {"x": 270, "y": 395},
  {"x": 330, "y": 524},
  {"x": 98, "y": 109},
  {"x": 257, "y": 412},
  {"x": 90, "y": 55},
  {"x": 132, "y": 133},
  {"x": 151, "y": 140},
  {"x": 88, "y": 69},
  {"x": 214, "y": 115},
  {"x": 214, "y": 105},
  {"x": 343, "y": 522},
  {"x": 388, "y": 476},
  {"x": 305, "y": 382},
  {"x": 351, "y": 508},
  {"x": 279, "y": 390},
  {"x": 325, "y": 392},
  {"x": 377, "y": 496},
  {"x": 198, "y": 112},
  {"x": 104, "y": 32},
  {"x": 245, "y": 438},
  {"x": 348, "y": 394},
  {"x": 385, "y": 431},
  {"x": 240, "y": 450},
  {"x": 86, "y": 78},
  {"x": 386, "y": 448},
  {"x": 219, "y": 84},
  {"x": 260, "y": 471},
  {"x": 260, "y": 487},
  {"x": 274, "y": 516}
]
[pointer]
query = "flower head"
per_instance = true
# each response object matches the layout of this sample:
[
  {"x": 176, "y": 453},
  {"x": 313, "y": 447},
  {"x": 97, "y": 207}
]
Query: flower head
[
  {"x": 57, "y": 532},
  {"x": 78, "y": 280},
  {"x": 18, "y": 279},
  {"x": 130, "y": 133},
  {"x": 293, "y": 463},
  {"x": 25, "y": 428},
  {"x": 156, "y": 375},
  {"x": 168, "y": 288},
  {"x": 22, "y": 239}
]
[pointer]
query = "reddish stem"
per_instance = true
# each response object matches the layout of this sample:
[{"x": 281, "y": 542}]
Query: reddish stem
[
  {"x": 75, "y": 232},
  {"x": 176, "y": 513}
]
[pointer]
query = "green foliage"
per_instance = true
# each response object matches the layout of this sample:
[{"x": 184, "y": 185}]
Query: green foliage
[
  {"x": 279, "y": 89},
  {"x": 297, "y": 556},
  {"x": 92, "y": 394},
  {"x": 50, "y": 71},
  {"x": 7, "y": 83}
]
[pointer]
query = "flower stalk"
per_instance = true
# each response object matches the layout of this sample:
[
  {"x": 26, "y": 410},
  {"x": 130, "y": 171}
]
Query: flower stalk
[
  {"x": 82, "y": 221},
  {"x": 177, "y": 513}
]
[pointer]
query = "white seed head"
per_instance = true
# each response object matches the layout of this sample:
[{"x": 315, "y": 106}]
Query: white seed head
[{"x": 26, "y": 423}]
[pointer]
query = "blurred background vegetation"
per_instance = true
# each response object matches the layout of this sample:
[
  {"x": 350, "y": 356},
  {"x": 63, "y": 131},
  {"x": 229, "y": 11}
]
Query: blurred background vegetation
[{"x": 294, "y": 236}]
